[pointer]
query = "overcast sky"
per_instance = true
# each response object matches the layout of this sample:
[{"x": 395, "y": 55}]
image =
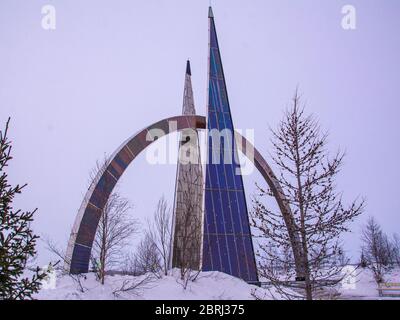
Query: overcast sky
[{"x": 111, "y": 68}]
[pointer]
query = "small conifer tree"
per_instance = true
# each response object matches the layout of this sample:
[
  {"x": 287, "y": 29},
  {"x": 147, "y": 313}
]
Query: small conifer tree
[{"x": 17, "y": 240}]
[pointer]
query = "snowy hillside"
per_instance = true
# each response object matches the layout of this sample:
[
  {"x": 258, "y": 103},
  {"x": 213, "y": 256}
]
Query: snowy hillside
[
  {"x": 208, "y": 286},
  {"x": 365, "y": 287}
]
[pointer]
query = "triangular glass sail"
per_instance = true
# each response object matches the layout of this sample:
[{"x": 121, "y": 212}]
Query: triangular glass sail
[{"x": 227, "y": 242}]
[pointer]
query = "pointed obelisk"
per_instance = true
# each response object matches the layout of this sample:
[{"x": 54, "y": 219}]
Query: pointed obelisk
[
  {"x": 187, "y": 224},
  {"x": 227, "y": 241}
]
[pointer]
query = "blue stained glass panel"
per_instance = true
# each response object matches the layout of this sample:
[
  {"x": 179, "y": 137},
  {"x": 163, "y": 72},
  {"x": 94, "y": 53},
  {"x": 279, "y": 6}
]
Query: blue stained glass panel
[{"x": 227, "y": 245}]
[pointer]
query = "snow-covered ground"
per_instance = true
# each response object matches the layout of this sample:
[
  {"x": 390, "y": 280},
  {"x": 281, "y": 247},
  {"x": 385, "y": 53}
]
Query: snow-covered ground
[
  {"x": 208, "y": 286},
  {"x": 365, "y": 287}
]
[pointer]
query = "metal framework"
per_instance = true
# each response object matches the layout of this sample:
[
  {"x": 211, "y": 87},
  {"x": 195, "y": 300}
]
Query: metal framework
[
  {"x": 224, "y": 237},
  {"x": 86, "y": 221}
]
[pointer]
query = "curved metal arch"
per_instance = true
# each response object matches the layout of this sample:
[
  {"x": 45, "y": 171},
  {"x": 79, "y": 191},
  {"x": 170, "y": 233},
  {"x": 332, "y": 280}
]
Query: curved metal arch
[{"x": 87, "y": 219}]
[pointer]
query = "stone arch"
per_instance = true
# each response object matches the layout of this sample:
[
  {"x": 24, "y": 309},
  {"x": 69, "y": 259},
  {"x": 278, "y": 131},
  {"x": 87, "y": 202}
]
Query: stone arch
[{"x": 86, "y": 221}]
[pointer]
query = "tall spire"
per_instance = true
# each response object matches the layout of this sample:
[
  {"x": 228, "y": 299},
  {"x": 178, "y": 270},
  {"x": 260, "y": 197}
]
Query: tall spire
[
  {"x": 188, "y": 70},
  {"x": 210, "y": 12},
  {"x": 187, "y": 224},
  {"x": 188, "y": 108},
  {"x": 227, "y": 241}
]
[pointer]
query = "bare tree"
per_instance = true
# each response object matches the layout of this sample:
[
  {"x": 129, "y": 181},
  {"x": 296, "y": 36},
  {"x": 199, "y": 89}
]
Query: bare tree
[
  {"x": 134, "y": 286},
  {"x": 307, "y": 176},
  {"x": 114, "y": 230},
  {"x": 188, "y": 225},
  {"x": 396, "y": 249},
  {"x": 146, "y": 259},
  {"x": 363, "y": 263},
  {"x": 159, "y": 231},
  {"x": 376, "y": 248}
]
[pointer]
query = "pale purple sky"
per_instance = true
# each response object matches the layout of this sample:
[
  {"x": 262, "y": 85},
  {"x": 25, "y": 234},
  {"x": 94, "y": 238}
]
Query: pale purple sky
[{"x": 113, "y": 67}]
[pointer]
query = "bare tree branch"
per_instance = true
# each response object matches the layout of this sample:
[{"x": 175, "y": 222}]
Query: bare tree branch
[
  {"x": 114, "y": 230},
  {"x": 307, "y": 175}
]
